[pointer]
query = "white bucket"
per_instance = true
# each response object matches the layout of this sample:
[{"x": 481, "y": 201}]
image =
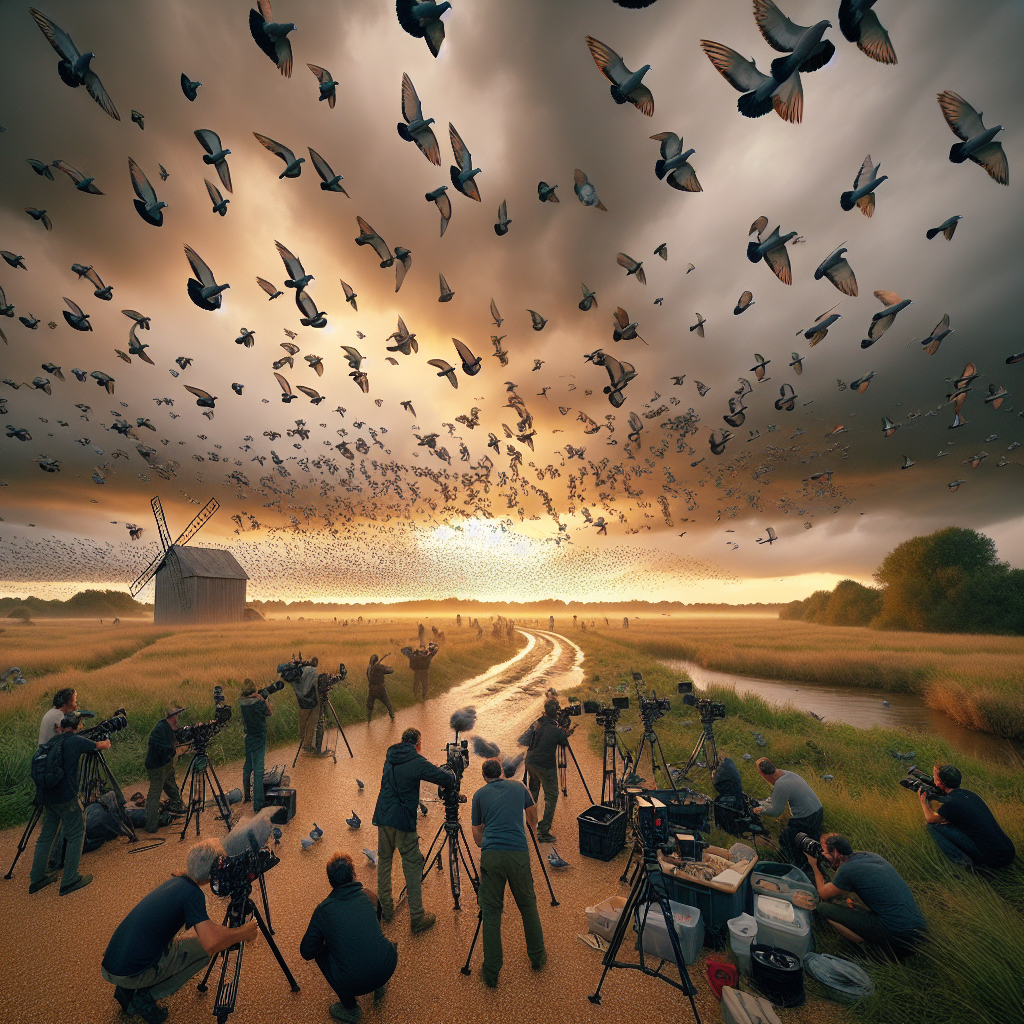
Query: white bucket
[{"x": 742, "y": 932}]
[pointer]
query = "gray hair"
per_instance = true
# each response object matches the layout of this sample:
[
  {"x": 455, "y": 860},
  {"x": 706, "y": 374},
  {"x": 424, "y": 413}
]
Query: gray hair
[{"x": 201, "y": 858}]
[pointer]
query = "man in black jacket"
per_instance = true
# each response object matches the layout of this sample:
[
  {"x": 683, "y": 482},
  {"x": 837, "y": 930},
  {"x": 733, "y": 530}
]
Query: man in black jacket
[
  {"x": 395, "y": 817},
  {"x": 345, "y": 940},
  {"x": 376, "y": 676},
  {"x": 160, "y": 757},
  {"x": 542, "y": 766}
]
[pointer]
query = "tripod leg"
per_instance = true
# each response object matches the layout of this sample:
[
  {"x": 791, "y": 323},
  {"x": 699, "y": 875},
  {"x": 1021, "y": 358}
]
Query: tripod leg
[
  {"x": 617, "y": 936},
  {"x": 190, "y": 778},
  {"x": 213, "y": 960},
  {"x": 624, "y": 877},
  {"x": 23, "y": 841},
  {"x": 220, "y": 798},
  {"x": 572, "y": 754},
  {"x": 479, "y": 922},
  {"x": 268, "y": 935},
  {"x": 337, "y": 722},
  {"x": 266, "y": 902},
  {"x": 125, "y": 823},
  {"x": 560, "y": 765},
  {"x": 540, "y": 860},
  {"x": 664, "y": 768}
]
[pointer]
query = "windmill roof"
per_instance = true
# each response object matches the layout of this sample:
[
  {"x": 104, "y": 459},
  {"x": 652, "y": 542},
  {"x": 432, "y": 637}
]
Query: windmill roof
[{"x": 208, "y": 562}]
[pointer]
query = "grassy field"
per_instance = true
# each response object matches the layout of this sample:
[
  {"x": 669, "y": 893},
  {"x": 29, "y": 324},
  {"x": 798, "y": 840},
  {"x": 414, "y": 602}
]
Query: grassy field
[
  {"x": 141, "y": 667},
  {"x": 969, "y": 969},
  {"x": 976, "y": 680}
]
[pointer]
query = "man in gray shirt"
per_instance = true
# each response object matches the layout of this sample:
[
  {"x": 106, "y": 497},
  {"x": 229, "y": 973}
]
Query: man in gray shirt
[
  {"x": 804, "y": 807},
  {"x": 64, "y": 702}
]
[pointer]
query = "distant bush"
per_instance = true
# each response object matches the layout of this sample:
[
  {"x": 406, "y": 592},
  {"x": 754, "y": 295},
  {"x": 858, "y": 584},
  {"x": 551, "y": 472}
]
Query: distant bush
[
  {"x": 850, "y": 604},
  {"x": 88, "y": 604},
  {"x": 21, "y": 612}
]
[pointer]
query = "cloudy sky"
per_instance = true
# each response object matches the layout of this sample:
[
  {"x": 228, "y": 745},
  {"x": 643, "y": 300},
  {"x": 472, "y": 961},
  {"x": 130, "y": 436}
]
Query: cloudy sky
[{"x": 521, "y": 87}]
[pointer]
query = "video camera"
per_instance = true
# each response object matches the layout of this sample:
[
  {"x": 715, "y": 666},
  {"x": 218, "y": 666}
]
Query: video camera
[
  {"x": 606, "y": 716},
  {"x": 291, "y": 671},
  {"x": 102, "y": 730},
  {"x": 709, "y": 710},
  {"x": 921, "y": 782},
  {"x": 200, "y": 734},
  {"x": 572, "y": 710},
  {"x": 234, "y": 876},
  {"x": 651, "y": 708}
]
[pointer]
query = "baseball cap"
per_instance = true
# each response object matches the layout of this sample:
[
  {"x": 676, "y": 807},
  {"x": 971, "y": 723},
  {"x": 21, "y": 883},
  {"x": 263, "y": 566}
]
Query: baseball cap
[{"x": 174, "y": 709}]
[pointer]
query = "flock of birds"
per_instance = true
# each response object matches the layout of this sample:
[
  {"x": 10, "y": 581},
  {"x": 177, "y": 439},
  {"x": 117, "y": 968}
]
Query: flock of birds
[{"x": 360, "y": 490}]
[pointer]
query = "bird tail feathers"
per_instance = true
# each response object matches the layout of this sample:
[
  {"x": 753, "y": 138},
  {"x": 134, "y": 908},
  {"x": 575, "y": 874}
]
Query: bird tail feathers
[
  {"x": 752, "y": 254},
  {"x": 956, "y": 153},
  {"x": 846, "y": 201},
  {"x": 749, "y": 105},
  {"x": 931, "y": 233},
  {"x": 659, "y": 169}
]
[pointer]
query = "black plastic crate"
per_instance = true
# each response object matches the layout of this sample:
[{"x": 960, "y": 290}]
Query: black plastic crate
[
  {"x": 602, "y": 832},
  {"x": 689, "y": 815}
]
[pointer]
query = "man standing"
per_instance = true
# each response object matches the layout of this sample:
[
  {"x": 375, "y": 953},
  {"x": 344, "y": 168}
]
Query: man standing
[
  {"x": 805, "y": 808},
  {"x": 395, "y": 818},
  {"x": 256, "y": 709},
  {"x": 419, "y": 662},
  {"x": 504, "y": 858},
  {"x": 345, "y": 940},
  {"x": 63, "y": 808},
  {"x": 64, "y": 702},
  {"x": 892, "y": 920},
  {"x": 964, "y": 828},
  {"x": 160, "y": 757},
  {"x": 145, "y": 961},
  {"x": 542, "y": 767},
  {"x": 376, "y": 674},
  {"x": 304, "y": 682}
]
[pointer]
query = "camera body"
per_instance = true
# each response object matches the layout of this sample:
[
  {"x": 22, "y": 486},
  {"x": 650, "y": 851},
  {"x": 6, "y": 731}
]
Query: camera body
[
  {"x": 921, "y": 782},
  {"x": 234, "y": 876},
  {"x": 709, "y": 710},
  {"x": 809, "y": 845},
  {"x": 606, "y": 716},
  {"x": 200, "y": 734},
  {"x": 291, "y": 671},
  {"x": 266, "y": 691},
  {"x": 102, "y": 730},
  {"x": 651, "y": 708},
  {"x": 571, "y": 710}
]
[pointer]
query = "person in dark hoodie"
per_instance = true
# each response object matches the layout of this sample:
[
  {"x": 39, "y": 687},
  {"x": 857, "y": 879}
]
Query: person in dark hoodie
[
  {"x": 395, "y": 817},
  {"x": 419, "y": 662},
  {"x": 727, "y": 782},
  {"x": 256, "y": 709},
  {"x": 376, "y": 676},
  {"x": 345, "y": 940}
]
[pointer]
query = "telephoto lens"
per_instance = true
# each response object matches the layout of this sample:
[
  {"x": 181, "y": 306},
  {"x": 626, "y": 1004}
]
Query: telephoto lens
[
  {"x": 809, "y": 845},
  {"x": 266, "y": 691}
]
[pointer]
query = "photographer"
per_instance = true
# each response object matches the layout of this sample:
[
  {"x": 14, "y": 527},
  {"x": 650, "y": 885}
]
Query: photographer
[
  {"x": 145, "y": 961},
  {"x": 345, "y": 940},
  {"x": 891, "y": 921},
  {"x": 376, "y": 674},
  {"x": 419, "y": 662},
  {"x": 727, "y": 782},
  {"x": 395, "y": 817},
  {"x": 160, "y": 756},
  {"x": 256, "y": 709},
  {"x": 541, "y": 766},
  {"x": 498, "y": 809},
  {"x": 63, "y": 809},
  {"x": 963, "y": 828},
  {"x": 64, "y": 702},
  {"x": 302, "y": 679},
  {"x": 805, "y": 808}
]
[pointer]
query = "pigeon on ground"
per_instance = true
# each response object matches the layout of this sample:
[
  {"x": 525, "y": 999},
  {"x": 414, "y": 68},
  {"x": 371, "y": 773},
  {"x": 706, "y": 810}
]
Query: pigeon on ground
[
  {"x": 463, "y": 173},
  {"x": 423, "y": 808},
  {"x": 772, "y": 248},
  {"x": 371, "y": 856},
  {"x": 589, "y": 300},
  {"x": 674, "y": 165},
  {"x": 977, "y": 141},
  {"x": 445, "y": 369},
  {"x": 443, "y": 203},
  {"x": 220, "y": 204},
  {"x": 746, "y": 300},
  {"x": 555, "y": 860},
  {"x": 585, "y": 191},
  {"x": 626, "y": 86},
  {"x": 328, "y": 87},
  {"x": 838, "y": 271},
  {"x": 189, "y": 88},
  {"x": 216, "y": 155},
  {"x": 416, "y": 128},
  {"x": 330, "y": 182},
  {"x": 538, "y": 320},
  {"x": 40, "y": 168},
  {"x": 82, "y": 182},
  {"x": 864, "y": 185},
  {"x": 501, "y": 228},
  {"x": 367, "y": 236},
  {"x": 74, "y": 68},
  {"x": 149, "y": 208},
  {"x": 292, "y": 164},
  {"x": 632, "y": 267},
  {"x": 203, "y": 289},
  {"x": 859, "y": 24},
  {"x": 947, "y": 227},
  {"x": 422, "y": 20},
  {"x": 882, "y": 321},
  {"x": 546, "y": 192},
  {"x": 272, "y": 37},
  {"x": 40, "y": 216}
]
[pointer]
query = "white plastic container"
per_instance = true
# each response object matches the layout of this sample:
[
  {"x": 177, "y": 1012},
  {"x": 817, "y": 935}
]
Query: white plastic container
[
  {"x": 793, "y": 936},
  {"x": 602, "y": 919},
  {"x": 742, "y": 933},
  {"x": 688, "y": 924}
]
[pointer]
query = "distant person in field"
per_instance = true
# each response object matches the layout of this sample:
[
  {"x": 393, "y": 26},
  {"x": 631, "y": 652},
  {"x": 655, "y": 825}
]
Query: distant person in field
[
  {"x": 963, "y": 827},
  {"x": 376, "y": 675},
  {"x": 419, "y": 662},
  {"x": 64, "y": 702},
  {"x": 806, "y": 812}
]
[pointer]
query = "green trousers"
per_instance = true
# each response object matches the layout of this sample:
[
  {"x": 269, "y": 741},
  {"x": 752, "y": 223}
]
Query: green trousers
[
  {"x": 179, "y": 961},
  {"x": 407, "y": 844},
  {"x": 161, "y": 780},
  {"x": 496, "y": 868},
  {"x": 69, "y": 818},
  {"x": 548, "y": 778}
]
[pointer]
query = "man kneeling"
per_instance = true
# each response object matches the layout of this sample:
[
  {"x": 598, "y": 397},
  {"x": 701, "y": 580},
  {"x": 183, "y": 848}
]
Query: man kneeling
[
  {"x": 144, "y": 959},
  {"x": 345, "y": 940}
]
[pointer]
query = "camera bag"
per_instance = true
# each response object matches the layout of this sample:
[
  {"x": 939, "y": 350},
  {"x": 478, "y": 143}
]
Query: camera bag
[
  {"x": 744, "y": 1008},
  {"x": 284, "y": 801}
]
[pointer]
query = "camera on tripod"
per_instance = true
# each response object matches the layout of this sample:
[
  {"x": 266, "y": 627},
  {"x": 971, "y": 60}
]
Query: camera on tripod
[
  {"x": 291, "y": 671},
  {"x": 709, "y": 710},
  {"x": 200, "y": 734},
  {"x": 102, "y": 730},
  {"x": 606, "y": 717},
  {"x": 572, "y": 710},
  {"x": 921, "y": 782},
  {"x": 234, "y": 876}
]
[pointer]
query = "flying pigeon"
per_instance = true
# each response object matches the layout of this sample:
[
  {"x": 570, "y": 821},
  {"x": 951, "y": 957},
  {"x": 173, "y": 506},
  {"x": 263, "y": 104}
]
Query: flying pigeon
[
  {"x": 237, "y": 388},
  {"x": 270, "y": 289},
  {"x": 415, "y": 128},
  {"x": 443, "y": 203},
  {"x": 367, "y": 236},
  {"x": 699, "y": 326},
  {"x": 149, "y": 208},
  {"x": 39, "y": 215},
  {"x": 286, "y": 389},
  {"x": 82, "y": 182},
  {"x": 589, "y": 300},
  {"x": 405, "y": 342},
  {"x": 470, "y": 362},
  {"x": 864, "y": 185},
  {"x": 40, "y": 168},
  {"x": 770, "y": 539},
  {"x": 817, "y": 331},
  {"x": 797, "y": 363},
  {"x": 314, "y": 396},
  {"x": 772, "y": 248},
  {"x": 423, "y": 21},
  {"x": 838, "y": 271},
  {"x": 585, "y": 191},
  {"x": 746, "y": 300},
  {"x": 761, "y": 93},
  {"x": 328, "y": 87},
  {"x": 495, "y": 315},
  {"x": 446, "y": 292},
  {"x": 626, "y": 86},
  {"x": 674, "y": 165},
  {"x": 30, "y": 321},
  {"x": 623, "y": 329},
  {"x": 861, "y": 384},
  {"x": 860, "y": 25},
  {"x": 292, "y": 164},
  {"x": 947, "y": 227},
  {"x": 315, "y": 363},
  {"x": 889, "y": 428},
  {"x": 350, "y": 296},
  {"x": 445, "y": 370},
  {"x": 220, "y": 204},
  {"x": 13, "y": 260},
  {"x": 501, "y": 228},
  {"x": 245, "y": 338},
  {"x": 139, "y": 119},
  {"x": 538, "y": 320},
  {"x": 546, "y": 192},
  {"x": 464, "y": 174},
  {"x": 330, "y": 182},
  {"x": 632, "y": 267},
  {"x": 203, "y": 398},
  {"x": 272, "y": 37},
  {"x": 189, "y": 88},
  {"x": 977, "y": 141},
  {"x": 204, "y": 292},
  {"x": 312, "y": 317},
  {"x": 939, "y": 332},
  {"x": 216, "y": 155},
  {"x": 74, "y": 68},
  {"x": 882, "y": 321},
  {"x": 104, "y": 380},
  {"x": 76, "y": 318},
  {"x": 89, "y": 273}
]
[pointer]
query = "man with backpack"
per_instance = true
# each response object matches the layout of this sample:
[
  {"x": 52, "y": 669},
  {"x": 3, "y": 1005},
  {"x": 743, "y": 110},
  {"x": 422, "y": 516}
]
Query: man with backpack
[{"x": 55, "y": 773}]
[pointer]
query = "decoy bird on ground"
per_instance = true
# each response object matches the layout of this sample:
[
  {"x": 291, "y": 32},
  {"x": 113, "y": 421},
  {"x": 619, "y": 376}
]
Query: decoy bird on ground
[
  {"x": 838, "y": 271},
  {"x": 443, "y": 203},
  {"x": 772, "y": 248},
  {"x": 589, "y": 300},
  {"x": 746, "y": 300},
  {"x": 423, "y": 21},
  {"x": 292, "y": 164},
  {"x": 585, "y": 191},
  {"x": 203, "y": 398},
  {"x": 623, "y": 329},
  {"x": 415, "y": 128},
  {"x": 538, "y": 320},
  {"x": 39, "y": 215},
  {"x": 864, "y": 185},
  {"x": 203, "y": 289},
  {"x": 189, "y": 88},
  {"x": 859, "y": 24},
  {"x": 74, "y": 68},
  {"x": 699, "y": 326},
  {"x": 76, "y": 318},
  {"x": 674, "y": 165},
  {"x": 632, "y": 267},
  {"x": 328, "y": 87},
  {"x": 139, "y": 119},
  {"x": 977, "y": 141},
  {"x": 272, "y": 290},
  {"x": 463, "y": 173},
  {"x": 470, "y": 362},
  {"x": 330, "y": 182},
  {"x": 350, "y": 296},
  {"x": 546, "y": 192},
  {"x": 40, "y": 168},
  {"x": 82, "y": 183},
  {"x": 215, "y": 155},
  {"x": 501, "y": 228},
  {"x": 940, "y": 331},
  {"x": 311, "y": 316},
  {"x": 220, "y": 204},
  {"x": 446, "y": 292},
  {"x": 947, "y": 227},
  {"x": 626, "y": 86},
  {"x": 271, "y": 36},
  {"x": 149, "y": 208},
  {"x": 882, "y": 321},
  {"x": 495, "y": 315},
  {"x": 367, "y": 236},
  {"x": 445, "y": 370}
]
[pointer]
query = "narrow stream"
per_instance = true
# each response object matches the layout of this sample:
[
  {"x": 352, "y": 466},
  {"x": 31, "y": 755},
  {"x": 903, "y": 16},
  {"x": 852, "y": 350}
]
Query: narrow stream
[{"x": 862, "y": 708}]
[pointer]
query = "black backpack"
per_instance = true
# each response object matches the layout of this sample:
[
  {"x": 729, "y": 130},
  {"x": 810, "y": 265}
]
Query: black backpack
[{"x": 48, "y": 765}]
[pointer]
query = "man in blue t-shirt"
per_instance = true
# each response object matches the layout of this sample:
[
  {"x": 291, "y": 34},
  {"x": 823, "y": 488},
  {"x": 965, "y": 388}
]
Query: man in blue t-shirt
[
  {"x": 504, "y": 857},
  {"x": 145, "y": 961}
]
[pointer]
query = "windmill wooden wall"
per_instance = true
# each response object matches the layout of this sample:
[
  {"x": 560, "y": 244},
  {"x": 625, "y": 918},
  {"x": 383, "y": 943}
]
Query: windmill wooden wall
[{"x": 214, "y": 582}]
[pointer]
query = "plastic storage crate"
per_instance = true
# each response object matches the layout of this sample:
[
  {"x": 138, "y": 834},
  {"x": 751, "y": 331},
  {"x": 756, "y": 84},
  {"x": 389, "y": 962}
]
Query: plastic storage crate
[
  {"x": 602, "y": 832},
  {"x": 790, "y": 880},
  {"x": 716, "y": 908},
  {"x": 690, "y": 815},
  {"x": 603, "y": 918},
  {"x": 688, "y": 925},
  {"x": 790, "y": 931}
]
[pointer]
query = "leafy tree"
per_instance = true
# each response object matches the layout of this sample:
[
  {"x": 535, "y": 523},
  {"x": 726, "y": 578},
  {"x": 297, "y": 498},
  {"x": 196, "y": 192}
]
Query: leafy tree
[{"x": 851, "y": 604}]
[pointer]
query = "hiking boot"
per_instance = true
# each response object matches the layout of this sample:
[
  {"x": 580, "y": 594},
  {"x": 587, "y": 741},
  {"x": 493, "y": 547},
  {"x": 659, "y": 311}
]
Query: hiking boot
[
  {"x": 42, "y": 883},
  {"x": 387, "y": 916},
  {"x": 123, "y": 997},
  {"x": 425, "y": 923},
  {"x": 79, "y": 883},
  {"x": 379, "y": 994},
  {"x": 339, "y": 1012},
  {"x": 540, "y": 962},
  {"x": 147, "y": 1007},
  {"x": 546, "y": 837}
]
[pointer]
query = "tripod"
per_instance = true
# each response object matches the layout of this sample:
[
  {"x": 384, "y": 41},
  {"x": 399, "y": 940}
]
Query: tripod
[
  {"x": 200, "y": 774},
  {"x": 322, "y": 726},
  {"x": 561, "y": 763},
  {"x": 92, "y": 770},
  {"x": 705, "y": 752},
  {"x": 650, "y": 737},
  {"x": 648, "y": 888},
  {"x": 611, "y": 787},
  {"x": 238, "y": 913},
  {"x": 458, "y": 849}
]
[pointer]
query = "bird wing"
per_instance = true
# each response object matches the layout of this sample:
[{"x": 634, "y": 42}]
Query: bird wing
[
  {"x": 291, "y": 263},
  {"x": 494, "y": 309},
  {"x": 75, "y": 175},
  {"x": 323, "y": 168},
  {"x": 779, "y": 32},
  {"x": 441, "y": 365},
  {"x": 942, "y": 325},
  {"x": 265, "y": 285},
  {"x": 411, "y": 108},
  {"x": 684, "y": 179},
  {"x": 463, "y": 157},
  {"x": 199, "y": 268},
  {"x": 285, "y": 386},
  {"x": 964, "y": 121},
  {"x": 322, "y": 74},
  {"x": 91, "y": 275},
  {"x": 842, "y": 276},
  {"x": 778, "y": 260},
  {"x": 579, "y": 177},
  {"x": 354, "y": 356},
  {"x": 305, "y": 303},
  {"x": 402, "y": 266},
  {"x": 74, "y": 307},
  {"x": 621, "y": 317},
  {"x": 503, "y": 211},
  {"x": 131, "y": 313},
  {"x": 867, "y": 171},
  {"x": 535, "y": 317},
  {"x": 745, "y": 298},
  {"x": 308, "y": 392},
  {"x": 624, "y": 261},
  {"x": 608, "y": 61},
  {"x": 374, "y": 240},
  {"x": 56, "y": 36},
  {"x": 740, "y": 73},
  {"x": 874, "y": 40},
  {"x": 198, "y": 392},
  {"x": 427, "y": 142},
  {"x": 788, "y": 100},
  {"x": 759, "y": 226},
  {"x": 887, "y": 298},
  {"x": 445, "y": 290},
  {"x": 95, "y": 89},
  {"x": 464, "y": 353},
  {"x": 275, "y": 147},
  {"x": 433, "y": 34},
  {"x": 210, "y": 141},
  {"x": 349, "y": 293},
  {"x": 993, "y": 159},
  {"x": 289, "y": 347},
  {"x": 444, "y": 204},
  {"x": 143, "y": 189},
  {"x": 213, "y": 192},
  {"x": 671, "y": 144}
]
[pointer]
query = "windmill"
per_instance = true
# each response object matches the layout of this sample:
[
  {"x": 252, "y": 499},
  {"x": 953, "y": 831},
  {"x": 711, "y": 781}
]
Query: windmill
[{"x": 193, "y": 585}]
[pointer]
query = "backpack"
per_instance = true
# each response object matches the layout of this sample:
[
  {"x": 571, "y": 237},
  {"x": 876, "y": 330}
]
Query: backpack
[{"x": 47, "y": 767}]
